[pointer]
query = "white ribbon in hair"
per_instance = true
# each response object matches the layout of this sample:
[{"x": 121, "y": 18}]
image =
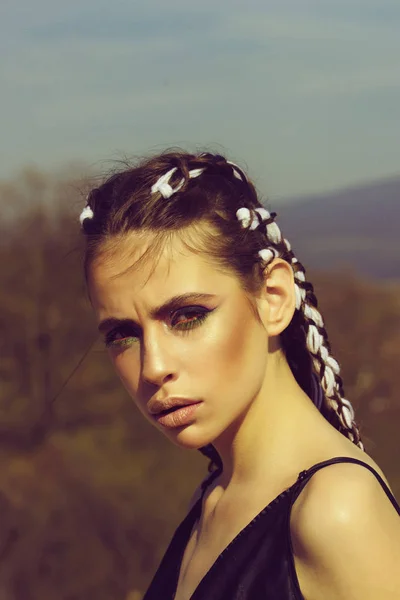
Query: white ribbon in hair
[
  {"x": 235, "y": 172},
  {"x": 268, "y": 254},
  {"x": 348, "y": 413},
  {"x": 314, "y": 339},
  {"x": 300, "y": 275},
  {"x": 312, "y": 313},
  {"x": 264, "y": 213},
  {"x": 331, "y": 367},
  {"x": 247, "y": 218},
  {"x": 300, "y": 296},
  {"x": 163, "y": 186},
  {"x": 234, "y": 166},
  {"x": 274, "y": 233},
  {"x": 287, "y": 244},
  {"x": 87, "y": 213}
]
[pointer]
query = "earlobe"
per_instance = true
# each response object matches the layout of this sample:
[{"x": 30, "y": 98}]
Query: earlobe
[{"x": 279, "y": 293}]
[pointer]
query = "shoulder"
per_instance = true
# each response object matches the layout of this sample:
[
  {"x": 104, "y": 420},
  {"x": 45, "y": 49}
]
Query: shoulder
[
  {"x": 345, "y": 528},
  {"x": 348, "y": 490}
]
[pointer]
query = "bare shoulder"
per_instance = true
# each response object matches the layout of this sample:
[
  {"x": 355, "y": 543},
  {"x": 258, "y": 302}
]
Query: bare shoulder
[
  {"x": 343, "y": 492},
  {"x": 346, "y": 535}
]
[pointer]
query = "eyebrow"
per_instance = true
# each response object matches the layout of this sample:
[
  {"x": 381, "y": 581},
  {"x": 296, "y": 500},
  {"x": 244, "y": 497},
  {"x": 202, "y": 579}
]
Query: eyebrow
[{"x": 159, "y": 311}]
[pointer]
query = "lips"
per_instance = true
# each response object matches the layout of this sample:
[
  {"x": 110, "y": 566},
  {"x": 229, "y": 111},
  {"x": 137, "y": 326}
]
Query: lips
[{"x": 157, "y": 407}]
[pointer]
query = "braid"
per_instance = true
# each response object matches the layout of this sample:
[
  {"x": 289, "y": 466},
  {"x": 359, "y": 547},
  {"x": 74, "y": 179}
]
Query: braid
[
  {"x": 213, "y": 164},
  {"x": 317, "y": 344},
  {"x": 176, "y": 179}
]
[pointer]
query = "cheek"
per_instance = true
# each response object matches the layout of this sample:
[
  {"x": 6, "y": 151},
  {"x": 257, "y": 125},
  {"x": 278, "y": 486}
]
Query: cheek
[
  {"x": 234, "y": 350},
  {"x": 127, "y": 368}
]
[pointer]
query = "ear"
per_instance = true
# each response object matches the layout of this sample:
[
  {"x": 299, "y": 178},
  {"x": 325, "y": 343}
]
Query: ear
[{"x": 277, "y": 301}]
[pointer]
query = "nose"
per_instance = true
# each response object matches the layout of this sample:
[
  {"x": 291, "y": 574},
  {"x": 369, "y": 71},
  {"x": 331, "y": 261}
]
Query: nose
[{"x": 157, "y": 361}]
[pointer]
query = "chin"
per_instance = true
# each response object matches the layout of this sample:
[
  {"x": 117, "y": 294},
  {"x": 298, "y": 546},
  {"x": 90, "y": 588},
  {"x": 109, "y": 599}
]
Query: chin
[{"x": 189, "y": 440}]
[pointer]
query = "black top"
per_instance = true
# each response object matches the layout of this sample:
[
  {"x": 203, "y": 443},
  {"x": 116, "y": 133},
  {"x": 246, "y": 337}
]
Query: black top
[{"x": 258, "y": 564}]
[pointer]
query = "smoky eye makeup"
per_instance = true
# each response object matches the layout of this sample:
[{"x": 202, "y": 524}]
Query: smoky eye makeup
[
  {"x": 182, "y": 320},
  {"x": 121, "y": 335},
  {"x": 188, "y": 313}
]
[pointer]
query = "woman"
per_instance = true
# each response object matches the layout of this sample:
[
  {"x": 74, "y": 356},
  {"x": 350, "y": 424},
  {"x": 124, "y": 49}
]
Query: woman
[{"x": 215, "y": 333}]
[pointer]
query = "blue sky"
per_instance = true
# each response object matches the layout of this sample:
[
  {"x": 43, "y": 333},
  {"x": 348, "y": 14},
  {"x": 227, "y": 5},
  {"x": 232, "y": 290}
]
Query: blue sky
[{"x": 305, "y": 94}]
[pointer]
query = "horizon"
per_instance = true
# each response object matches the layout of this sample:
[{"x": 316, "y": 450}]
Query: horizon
[{"x": 64, "y": 171}]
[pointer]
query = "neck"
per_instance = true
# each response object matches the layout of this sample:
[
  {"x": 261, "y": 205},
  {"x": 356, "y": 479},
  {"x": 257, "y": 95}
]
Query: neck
[{"x": 267, "y": 438}]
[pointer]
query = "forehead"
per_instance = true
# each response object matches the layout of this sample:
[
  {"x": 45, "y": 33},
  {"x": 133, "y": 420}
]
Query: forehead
[{"x": 116, "y": 275}]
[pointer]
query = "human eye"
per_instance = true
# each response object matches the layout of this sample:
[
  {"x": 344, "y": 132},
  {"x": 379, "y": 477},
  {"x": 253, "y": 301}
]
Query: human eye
[
  {"x": 189, "y": 317},
  {"x": 121, "y": 337}
]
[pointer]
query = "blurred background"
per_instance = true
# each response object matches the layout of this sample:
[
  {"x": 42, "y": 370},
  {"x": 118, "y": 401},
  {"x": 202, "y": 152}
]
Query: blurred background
[{"x": 306, "y": 97}]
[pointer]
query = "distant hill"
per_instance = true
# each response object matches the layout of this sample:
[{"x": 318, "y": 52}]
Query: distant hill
[{"x": 356, "y": 228}]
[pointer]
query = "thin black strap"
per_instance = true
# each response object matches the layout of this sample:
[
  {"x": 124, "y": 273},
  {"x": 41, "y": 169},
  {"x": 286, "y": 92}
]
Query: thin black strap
[{"x": 304, "y": 476}]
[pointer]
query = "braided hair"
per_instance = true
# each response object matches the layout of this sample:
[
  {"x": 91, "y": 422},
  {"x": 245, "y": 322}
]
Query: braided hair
[
  {"x": 175, "y": 191},
  {"x": 310, "y": 320}
]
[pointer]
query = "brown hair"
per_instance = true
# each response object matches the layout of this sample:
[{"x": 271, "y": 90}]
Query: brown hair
[{"x": 125, "y": 202}]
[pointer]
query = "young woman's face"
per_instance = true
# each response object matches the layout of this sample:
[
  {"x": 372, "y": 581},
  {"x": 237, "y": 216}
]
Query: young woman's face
[{"x": 210, "y": 349}]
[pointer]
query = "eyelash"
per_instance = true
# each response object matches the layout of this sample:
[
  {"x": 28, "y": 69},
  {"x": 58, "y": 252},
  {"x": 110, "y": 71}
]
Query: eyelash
[{"x": 185, "y": 327}]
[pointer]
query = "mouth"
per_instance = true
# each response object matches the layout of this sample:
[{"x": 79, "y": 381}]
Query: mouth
[
  {"x": 158, "y": 408},
  {"x": 167, "y": 411},
  {"x": 170, "y": 410},
  {"x": 177, "y": 416}
]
